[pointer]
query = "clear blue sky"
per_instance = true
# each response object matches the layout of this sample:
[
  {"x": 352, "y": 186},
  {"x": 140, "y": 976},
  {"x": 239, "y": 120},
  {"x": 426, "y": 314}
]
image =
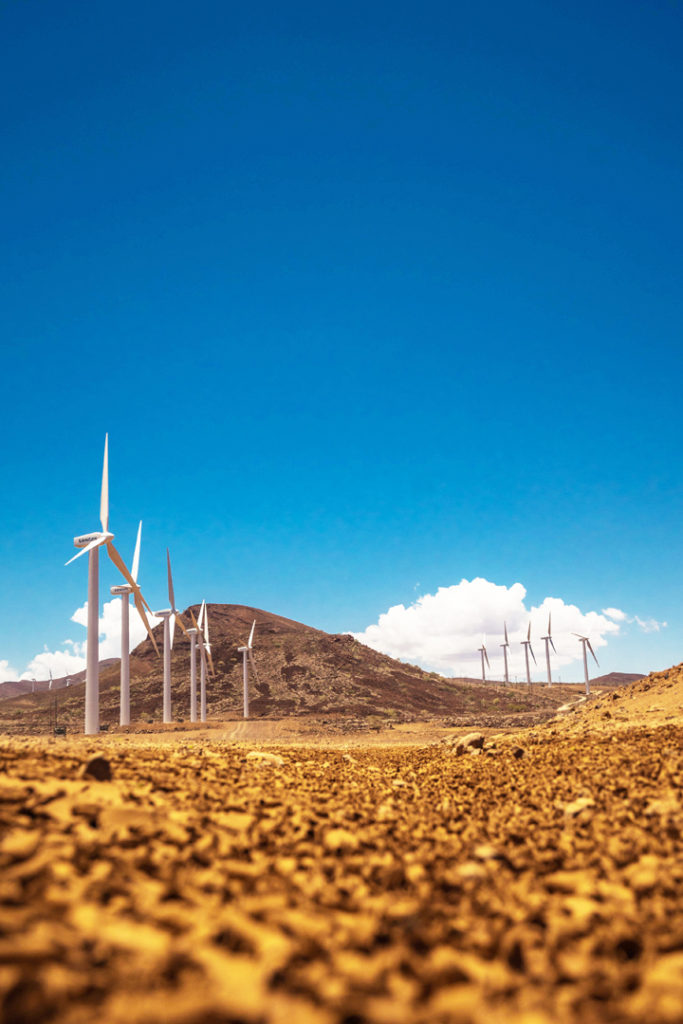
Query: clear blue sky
[{"x": 366, "y": 295}]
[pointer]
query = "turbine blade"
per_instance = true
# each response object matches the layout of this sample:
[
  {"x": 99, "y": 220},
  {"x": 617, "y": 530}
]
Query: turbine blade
[
  {"x": 120, "y": 565},
  {"x": 194, "y": 621},
  {"x": 532, "y": 654},
  {"x": 93, "y": 544},
  {"x": 505, "y": 630},
  {"x": 487, "y": 658},
  {"x": 253, "y": 665},
  {"x": 136, "y": 555},
  {"x": 104, "y": 495},
  {"x": 137, "y": 598},
  {"x": 172, "y": 625},
  {"x": 552, "y": 644},
  {"x": 593, "y": 653},
  {"x": 208, "y": 651},
  {"x": 251, "y": 635},
  {"x": 528, "y": 635},
  {"x": 200, "y": 621},
  {"x": 206, "y": 624},
  {"x": 171, "y": 597}
]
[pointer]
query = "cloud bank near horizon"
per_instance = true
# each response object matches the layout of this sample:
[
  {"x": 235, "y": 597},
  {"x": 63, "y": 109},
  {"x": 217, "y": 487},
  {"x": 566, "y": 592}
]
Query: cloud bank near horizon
[{"x": 443, "y": 631}]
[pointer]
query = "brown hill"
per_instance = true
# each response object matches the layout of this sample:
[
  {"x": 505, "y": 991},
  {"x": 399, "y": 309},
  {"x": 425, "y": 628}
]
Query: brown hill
[
  {"x": 302, "y": 671},
  {"x": 654, "y": 700},
  {"x": 617, "y": 679}
]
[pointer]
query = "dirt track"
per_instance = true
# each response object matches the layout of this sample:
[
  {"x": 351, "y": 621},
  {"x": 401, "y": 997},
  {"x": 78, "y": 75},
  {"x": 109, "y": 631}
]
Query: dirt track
[{"x": 531, "y": 885}]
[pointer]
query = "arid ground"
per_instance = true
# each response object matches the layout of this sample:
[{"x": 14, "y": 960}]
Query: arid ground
[{"x": 531, "y": 876}]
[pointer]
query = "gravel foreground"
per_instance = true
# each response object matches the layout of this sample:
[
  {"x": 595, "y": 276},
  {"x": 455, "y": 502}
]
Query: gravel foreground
[{"x": 539, "y": 881}]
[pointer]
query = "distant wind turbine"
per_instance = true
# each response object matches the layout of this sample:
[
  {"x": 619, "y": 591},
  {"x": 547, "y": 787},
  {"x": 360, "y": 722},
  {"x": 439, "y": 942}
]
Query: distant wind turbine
[
  {"x": 92, "y": 542},
  {"x": 548, "y": 644},
  {"x": 169, "y": 615},
  {"x": 246, "y": 652},
  {"x": 124, "y": 590},
  {"x": 484, "y": 655},
  {"x": 505, "y": 651},
  {"x": 585, "y": 643},
  {"x": 207, "y": 659},
  {"x": 193, "y": 632},
  {"x": 526, "y": 644}
]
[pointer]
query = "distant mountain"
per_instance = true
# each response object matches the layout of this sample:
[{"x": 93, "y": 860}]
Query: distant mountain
[{"x": 617, "y": 679}]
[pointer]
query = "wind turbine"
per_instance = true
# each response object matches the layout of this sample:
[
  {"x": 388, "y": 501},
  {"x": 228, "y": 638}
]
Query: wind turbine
[
  {"x": 169, "y": 615},
  {"x": 206, "y": 659},
  {"x": 482, "y": 651},
  {"x": 245, "y": 651},
  {"x": 585, "y": 642},
  {"x": 92, "y": 542},
  {"x": 50, "y": 684},
  {"x": 526, "y": 644},
  {"x": 505, "y": 651},
  {"x": 124, "y": 589},
  {"x": 192, "y": 632},
  {"x": 548, "y": 644}
]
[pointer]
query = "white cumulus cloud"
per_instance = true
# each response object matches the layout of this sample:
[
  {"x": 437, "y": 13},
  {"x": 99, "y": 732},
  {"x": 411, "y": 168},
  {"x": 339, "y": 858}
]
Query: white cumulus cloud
[
  {"x": 6, "y": 671},
  {"x": 443, "y": 631},
  {"x": 615, "y": 613}
]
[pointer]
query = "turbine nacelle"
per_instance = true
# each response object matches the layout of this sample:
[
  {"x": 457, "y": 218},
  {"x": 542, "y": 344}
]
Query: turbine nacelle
[
  {"x": 123, "y": 588},
  {"x": 88, "y": 538}
]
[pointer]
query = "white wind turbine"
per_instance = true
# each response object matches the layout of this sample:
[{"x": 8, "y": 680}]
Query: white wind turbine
[
  {"x": 484, "y": 655},
  {"x": 92, "y": 542},
  {"x": 585, "y": 642},
  {"x": 169, "y": 615},
  {"x": 124, "y": 590},
  {"x": 247, "y": 656},
  {"x": 505, "y": 651},
  {"x": 206, "y": 658},
  {"x": 526, "y": 644},
  {"x": 548, "y": 644}
]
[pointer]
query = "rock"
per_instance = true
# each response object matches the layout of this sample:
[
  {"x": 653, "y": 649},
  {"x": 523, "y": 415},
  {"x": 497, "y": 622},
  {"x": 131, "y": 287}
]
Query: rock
[
  {"x": 518, "y": 752},
  {"x": 99, "y": 768},
  {"x": 340, "y": 839},
  {"x": 263, "y": 757},
  {"x": 472, "y": 741},
  {"x": 583, "y": 803}
]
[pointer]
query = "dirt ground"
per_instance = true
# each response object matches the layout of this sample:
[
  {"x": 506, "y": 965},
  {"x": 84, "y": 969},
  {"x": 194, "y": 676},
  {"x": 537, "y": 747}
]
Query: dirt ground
[{"x": 255, "y": 873}]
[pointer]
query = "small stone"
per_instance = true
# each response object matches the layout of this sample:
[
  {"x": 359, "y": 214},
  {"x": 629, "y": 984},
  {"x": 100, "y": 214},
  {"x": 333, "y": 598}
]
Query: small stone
[
  {"x": 518, "y": 752},
  {"x": 473, "y": 740},
  {"x": 99, "y": 768},
  {"x": 262, "y": 757},
  {"x": 340, "y": 839}
]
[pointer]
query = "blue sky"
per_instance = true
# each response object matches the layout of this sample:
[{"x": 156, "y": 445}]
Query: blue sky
[{"x": 370, "y": 298}]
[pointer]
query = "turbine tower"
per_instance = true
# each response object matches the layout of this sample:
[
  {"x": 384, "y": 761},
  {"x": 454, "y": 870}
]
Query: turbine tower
[
  {"x": 484, "y": 655},
  {"x": 585, "y": 642},
  {"x": 124, "y": 590},
  {"x": 247, "y": 656},
  {"x": 192, "y": 632},
  {"x": 505, "y": 652},
  {"x": 92, "y": 542},
  {"x": 548, "y": 644},
  {"x": 169, "y": 615},
  {"x": 526, "y": 644}
]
